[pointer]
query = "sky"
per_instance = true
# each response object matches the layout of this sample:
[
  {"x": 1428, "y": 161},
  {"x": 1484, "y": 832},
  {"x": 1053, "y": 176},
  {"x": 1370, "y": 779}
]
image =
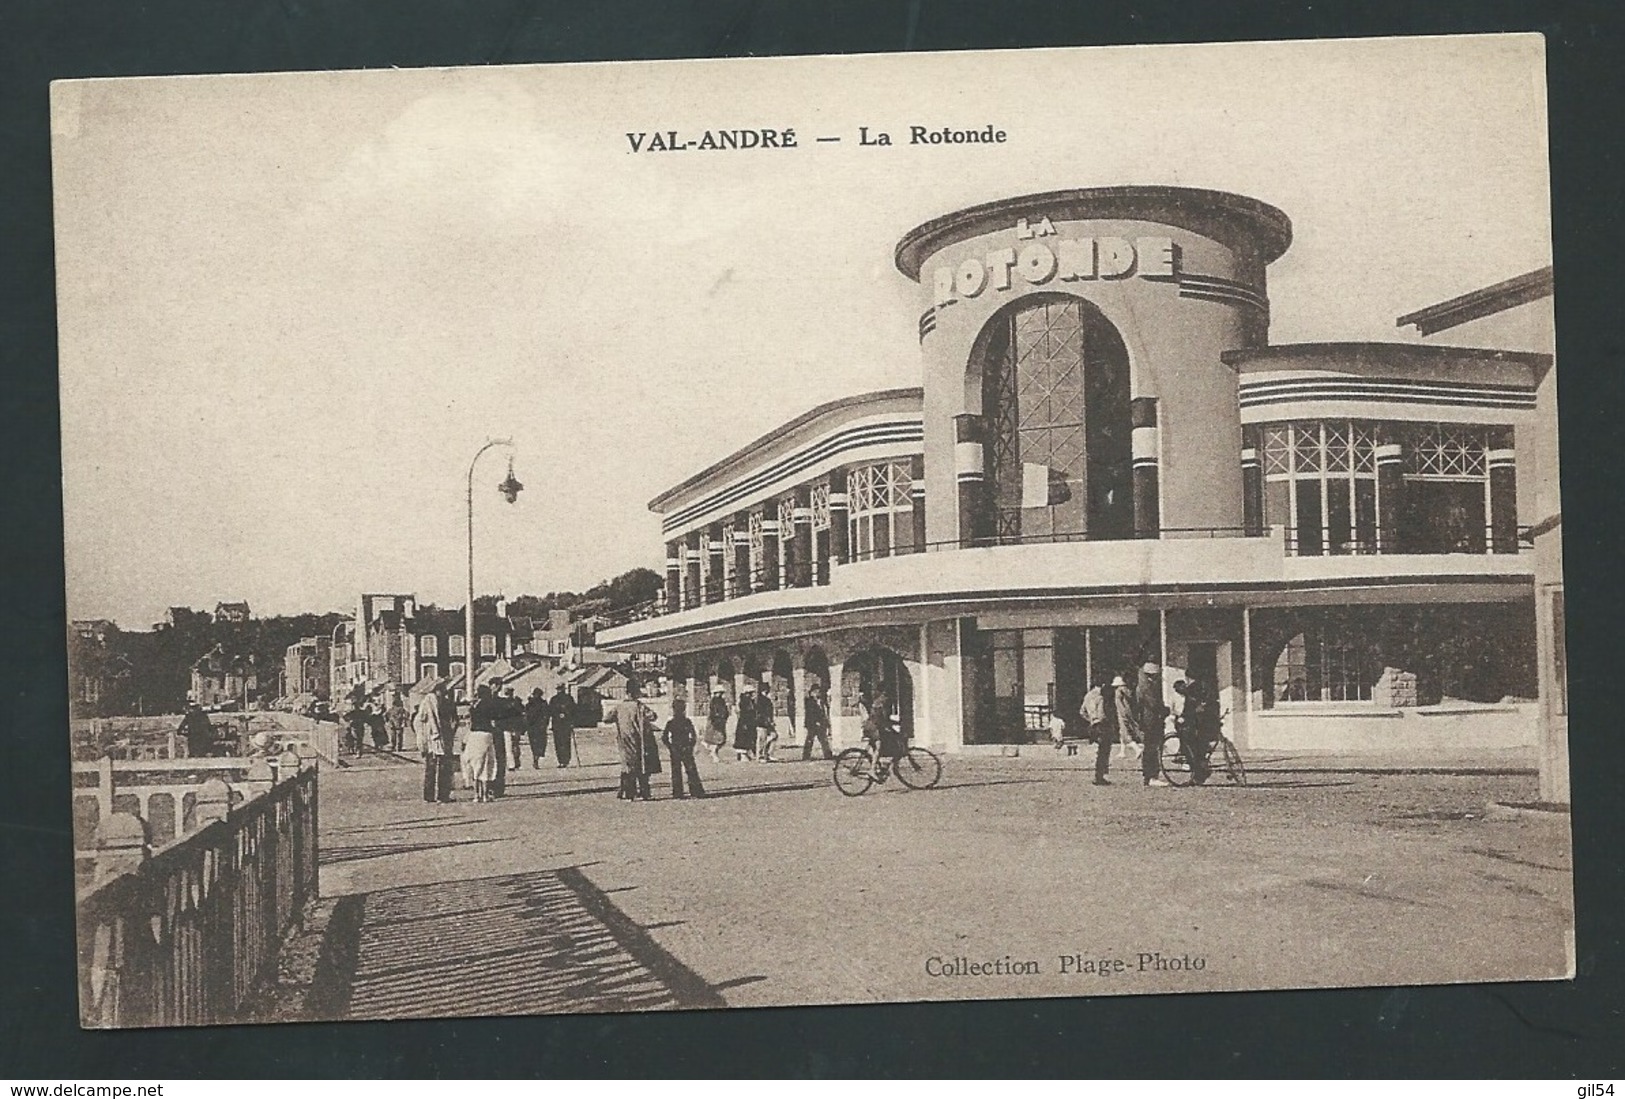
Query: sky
[{"x": 293, "y": 306}]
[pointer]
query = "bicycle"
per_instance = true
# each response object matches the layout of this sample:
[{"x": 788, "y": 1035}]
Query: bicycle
[
  {"x": 1177, "y": 763},
  {"x": 857, "y": 769}
]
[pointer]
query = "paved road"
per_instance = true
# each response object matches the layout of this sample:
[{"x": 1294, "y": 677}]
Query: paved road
[{"x": 1324, "y": 870}]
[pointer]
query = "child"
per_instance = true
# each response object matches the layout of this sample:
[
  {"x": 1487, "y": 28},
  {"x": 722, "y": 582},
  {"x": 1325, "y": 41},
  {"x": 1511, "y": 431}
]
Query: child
[{"x": 680, "y": 739}]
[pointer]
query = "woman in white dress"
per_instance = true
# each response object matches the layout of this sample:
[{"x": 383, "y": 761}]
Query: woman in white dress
[{"x": 479, "y": 747}]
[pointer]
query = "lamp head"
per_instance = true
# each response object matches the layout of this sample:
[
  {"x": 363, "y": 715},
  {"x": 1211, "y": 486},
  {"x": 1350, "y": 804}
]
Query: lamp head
[{"x": 510, "y": 486}]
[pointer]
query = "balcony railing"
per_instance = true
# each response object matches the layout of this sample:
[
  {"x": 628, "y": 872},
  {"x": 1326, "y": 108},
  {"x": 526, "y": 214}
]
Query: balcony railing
[
  {"x": 1330, "y": 542},
  {"x": 810, "y": 575},
  {"x": 1298, "y": 542}
]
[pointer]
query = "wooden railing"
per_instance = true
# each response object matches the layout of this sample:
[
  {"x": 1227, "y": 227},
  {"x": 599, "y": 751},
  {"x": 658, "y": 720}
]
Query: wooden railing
[{"x": 186, "y": 935}]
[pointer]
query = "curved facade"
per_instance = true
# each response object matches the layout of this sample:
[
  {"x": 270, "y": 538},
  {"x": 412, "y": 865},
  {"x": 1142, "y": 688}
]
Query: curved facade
[{"x": 1106, "y": 465}]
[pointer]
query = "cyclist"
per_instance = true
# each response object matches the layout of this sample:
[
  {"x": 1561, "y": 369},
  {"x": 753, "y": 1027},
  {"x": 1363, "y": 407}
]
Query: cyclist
[
  {"x": 883, "y": 735},
  {"x": 1197, "y": 727}
]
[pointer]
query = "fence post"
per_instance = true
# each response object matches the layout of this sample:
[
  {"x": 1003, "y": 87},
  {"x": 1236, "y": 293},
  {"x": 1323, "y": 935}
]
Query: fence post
[
  {"x": 213, "y": 802},
  {"x": 104, "y": 785},
  {"x": 259, "y": 780},
  {"x": 121, "y": 846}
]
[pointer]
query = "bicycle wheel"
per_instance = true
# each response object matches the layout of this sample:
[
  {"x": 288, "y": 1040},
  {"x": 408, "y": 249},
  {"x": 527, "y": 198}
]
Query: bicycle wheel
[
  {"x": 854, "y": 772},
  {"x": 1233, "y": 766},
  {"x": 1175, "y": 761},
  {"x": 918, "y": 769}
]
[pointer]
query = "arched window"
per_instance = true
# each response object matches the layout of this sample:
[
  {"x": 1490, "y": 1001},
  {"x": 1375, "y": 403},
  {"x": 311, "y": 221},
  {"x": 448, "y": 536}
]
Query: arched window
[
  {"x": 1327, "y": 662},
  {"x": 1055, "y": 396},
  {"x": 882, "y": 516}
]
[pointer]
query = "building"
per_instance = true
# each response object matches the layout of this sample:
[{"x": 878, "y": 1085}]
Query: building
[
  {"x": 231, "y": 612},
  {"x": 223, "y": 680},
  {"x": 550, "y": 639},
  {"x": 440, "y": 641},
  {"x": 307, "y": 668},
  {"x": 1108, "y": 464},
  {"x": 1517, "y": 313},
  {"x": 99, "y": 672}
]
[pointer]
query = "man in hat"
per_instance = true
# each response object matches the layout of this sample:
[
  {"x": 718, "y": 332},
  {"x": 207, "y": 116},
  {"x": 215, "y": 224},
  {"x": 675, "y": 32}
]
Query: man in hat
[
  {"x": 435, "y": 722},
  {"x": 1151, "y": 714},
  {"x": 767, "y": 735},
  {"x": 197, "y": 731},
  {"x": 562, "y": 717},
  {"x": 1102, "y": 721},
  {"x": 745, "y": 726},
  {"x": 716, "y": 722},
  {"x": 633, "y": 732},
  {"x": 816, "y": 721}
]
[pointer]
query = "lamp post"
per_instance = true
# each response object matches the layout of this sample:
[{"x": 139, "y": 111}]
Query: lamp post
[{"x": 509, "y": 488}]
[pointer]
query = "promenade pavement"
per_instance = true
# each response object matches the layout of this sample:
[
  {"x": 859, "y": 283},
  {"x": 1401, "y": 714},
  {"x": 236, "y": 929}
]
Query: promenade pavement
[{"x": 776, "y": 889}]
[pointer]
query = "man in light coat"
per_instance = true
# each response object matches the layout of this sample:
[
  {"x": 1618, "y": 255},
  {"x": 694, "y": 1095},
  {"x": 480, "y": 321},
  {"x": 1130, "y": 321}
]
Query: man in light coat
[
  {"x": 434, "y": 720},
  {"x": 634, "y": 731}
]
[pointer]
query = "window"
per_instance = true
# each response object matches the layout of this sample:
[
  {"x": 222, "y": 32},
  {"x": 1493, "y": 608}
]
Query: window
[
  {"x": 1452, "y": 451},
  {"x": 427, "y": 671},
  {"x": 1320, "y": 479},
  {"x": 882, "y": 516},
  {"x": 488, "y": 644},
  {"x": 820, "y": 504},
  {"x": 457, "y": 670},
  {"x": 429, "y": 645},
  {"x": 454, "y": 645},
  {"x": 757, "y": 552},
  {"x": 1447, "y": 489},
  {"x": 1325, "y": 663},
  {"x": 1056, "y": 394}
]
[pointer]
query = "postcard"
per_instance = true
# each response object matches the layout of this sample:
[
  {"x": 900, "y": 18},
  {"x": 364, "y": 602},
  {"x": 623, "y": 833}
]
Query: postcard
[{"x": 817, "y": 530}]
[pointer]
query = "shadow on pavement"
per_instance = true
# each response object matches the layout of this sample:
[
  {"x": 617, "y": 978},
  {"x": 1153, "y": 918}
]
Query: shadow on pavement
[
  {"x": 522, "y": 793},
  {"x": 989, "y": 782},
  {"x": 515, "y": 944},
  {"x": 1254, "y": 784},
  {"x": 334, "y": 855},
  {"x": 414, "y": 823},
  {"x": 774, "y": 788}
]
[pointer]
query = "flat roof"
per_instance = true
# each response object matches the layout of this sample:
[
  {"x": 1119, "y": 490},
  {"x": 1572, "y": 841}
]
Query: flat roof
[
  {"x": 843, "y": 404},
  {"x": 1380, "y": 350},
  {"x": 1518, "y": 290},
  {"x": 1228, "y": 218}
]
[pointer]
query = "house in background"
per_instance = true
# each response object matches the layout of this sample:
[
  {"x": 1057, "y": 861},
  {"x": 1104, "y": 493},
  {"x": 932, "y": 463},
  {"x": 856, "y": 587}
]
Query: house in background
[
  {"x": 231, "y": 612},
  {"x": 441, "y": 644},
  {"x": 307, "y": 668},
  {"x": 99, "y": 674},
  {"x": 219, "y": 679}
]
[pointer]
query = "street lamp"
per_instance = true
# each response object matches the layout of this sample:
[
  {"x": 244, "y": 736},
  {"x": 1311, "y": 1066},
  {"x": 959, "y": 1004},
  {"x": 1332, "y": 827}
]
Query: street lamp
[{"x": 509, "y": 488}]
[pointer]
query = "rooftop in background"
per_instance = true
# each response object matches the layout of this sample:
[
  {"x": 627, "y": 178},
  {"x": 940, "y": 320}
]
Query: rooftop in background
[{"x": 1519, "y": 290}]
